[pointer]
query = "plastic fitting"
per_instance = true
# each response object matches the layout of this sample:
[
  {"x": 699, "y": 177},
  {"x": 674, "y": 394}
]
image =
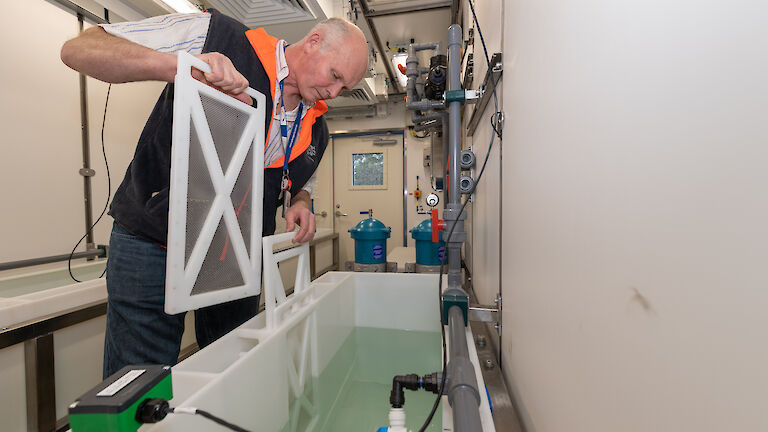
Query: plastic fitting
[
  {"x": 466, "y": 185},
  {"x": 467, "y": 159}
]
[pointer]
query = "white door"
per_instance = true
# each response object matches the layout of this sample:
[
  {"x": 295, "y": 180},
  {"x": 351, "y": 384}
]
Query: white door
[
  {"x": 368, "y": 174},
  {"x": 322, "y": 195}
]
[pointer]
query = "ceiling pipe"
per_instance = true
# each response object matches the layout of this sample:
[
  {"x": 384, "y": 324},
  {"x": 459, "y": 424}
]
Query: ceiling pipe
[{"x": 405, "y": 10}]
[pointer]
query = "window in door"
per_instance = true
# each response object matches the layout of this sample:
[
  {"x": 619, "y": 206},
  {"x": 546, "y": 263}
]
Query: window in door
[{"x": 368, "y": 171}]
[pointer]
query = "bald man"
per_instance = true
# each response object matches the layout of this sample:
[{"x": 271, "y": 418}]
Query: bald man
[{"x": 332, "y": 57}]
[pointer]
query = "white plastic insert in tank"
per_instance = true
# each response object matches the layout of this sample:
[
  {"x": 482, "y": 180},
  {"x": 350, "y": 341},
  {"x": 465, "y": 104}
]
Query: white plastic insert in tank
[
  {"x": 216, "y": 190},
  {"x": 267, "y": 374}
]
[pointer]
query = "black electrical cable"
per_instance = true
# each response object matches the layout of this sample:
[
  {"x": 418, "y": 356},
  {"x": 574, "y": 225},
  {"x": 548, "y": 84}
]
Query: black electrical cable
[
  {"x": 156, "y": 409},
  {"x": 109, "y": 193},
  {"x": 220, "y": 421},
  {"x": 494, "y": 124}
]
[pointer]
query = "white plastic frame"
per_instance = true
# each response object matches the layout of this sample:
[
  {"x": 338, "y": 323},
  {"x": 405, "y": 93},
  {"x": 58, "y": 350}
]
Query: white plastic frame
[
  {"x": 281, "y": 310},
  {"x": 276, "y": 304},
  {"x": 180, "y": 278}
]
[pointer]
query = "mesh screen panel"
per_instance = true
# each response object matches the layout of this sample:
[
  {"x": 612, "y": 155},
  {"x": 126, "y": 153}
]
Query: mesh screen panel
[
  {"x": 220, "y": 269},
  {"x": 227, "y": 125},
  {"x": 200, "y": 192},
  {"x": 241, "y": 199}
]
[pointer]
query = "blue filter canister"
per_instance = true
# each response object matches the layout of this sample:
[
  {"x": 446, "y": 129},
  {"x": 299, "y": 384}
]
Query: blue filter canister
[
  {"x": 370, "y": 236},
  {"x": 427, "y": 253}
]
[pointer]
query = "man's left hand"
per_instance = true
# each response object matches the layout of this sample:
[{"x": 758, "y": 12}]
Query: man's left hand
[{"x": 300, "y": 213}]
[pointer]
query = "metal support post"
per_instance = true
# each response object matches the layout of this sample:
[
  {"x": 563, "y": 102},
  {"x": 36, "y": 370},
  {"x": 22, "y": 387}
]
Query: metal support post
[
  {"x": 86, "y": 171},
  {"x": 40, "y": 383}
]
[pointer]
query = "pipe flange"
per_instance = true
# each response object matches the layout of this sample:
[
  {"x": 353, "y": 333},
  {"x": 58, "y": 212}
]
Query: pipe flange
[
  {"x": 466, "y": 185},
  {"x": 467, "y": 159}
]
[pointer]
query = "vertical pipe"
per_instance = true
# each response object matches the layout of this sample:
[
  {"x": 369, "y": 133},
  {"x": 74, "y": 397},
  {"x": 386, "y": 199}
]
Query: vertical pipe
[
  {"x": 454, "y": 112},
  {"x": 452, "y": 214},
  {"x": 405, "y": 194},
  {"x": 86, "y": 171}
]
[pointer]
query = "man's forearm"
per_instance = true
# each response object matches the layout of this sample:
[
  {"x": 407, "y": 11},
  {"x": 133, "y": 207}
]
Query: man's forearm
[
  {"x": 302, "y": 198},
  {"x": 112, "y": 59}
]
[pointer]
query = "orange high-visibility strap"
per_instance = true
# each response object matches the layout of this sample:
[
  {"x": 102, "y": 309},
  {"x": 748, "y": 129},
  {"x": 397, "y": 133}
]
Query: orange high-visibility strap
[{"x": 265, "y": 46}]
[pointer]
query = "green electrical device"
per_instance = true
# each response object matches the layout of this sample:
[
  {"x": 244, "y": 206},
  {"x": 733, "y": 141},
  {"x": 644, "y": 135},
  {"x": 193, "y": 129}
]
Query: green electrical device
[{"x": 112, "y": 405}]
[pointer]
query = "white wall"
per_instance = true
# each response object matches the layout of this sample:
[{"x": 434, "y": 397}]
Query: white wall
[
  {"x": 42, "y": 192},
  {"x": 415, "y": 148},
  {"x": 635, "y": 239}
]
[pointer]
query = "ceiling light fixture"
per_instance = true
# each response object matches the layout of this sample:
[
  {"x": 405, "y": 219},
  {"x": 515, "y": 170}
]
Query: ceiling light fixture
[
  {"x": 399, "y": 59},
  {"x": 180, "y": 6}
]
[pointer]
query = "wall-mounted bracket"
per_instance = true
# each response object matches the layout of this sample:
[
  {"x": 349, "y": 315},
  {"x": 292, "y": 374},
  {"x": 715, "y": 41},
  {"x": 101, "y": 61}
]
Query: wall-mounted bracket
[
  {"x": 483, "y": 313},
  {"x": 487, "y": 313}
]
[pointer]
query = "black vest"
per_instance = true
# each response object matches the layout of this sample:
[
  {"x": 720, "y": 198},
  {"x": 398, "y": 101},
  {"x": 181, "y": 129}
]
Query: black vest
[{"x": 141, "y": 202}]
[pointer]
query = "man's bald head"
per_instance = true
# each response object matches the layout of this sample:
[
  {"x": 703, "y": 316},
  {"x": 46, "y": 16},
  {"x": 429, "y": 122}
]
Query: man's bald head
[
  {"x": 338, "y": 32},
  {"x": 332, "y": 57}
]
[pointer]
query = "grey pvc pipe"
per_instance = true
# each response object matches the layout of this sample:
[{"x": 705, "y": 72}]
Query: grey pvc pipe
[
  {"x": 454, "y": 222},
  {"x": 462, "y": 385},
  {"x": 413, "y": 72},
  {"x": 454, "y": 112}
]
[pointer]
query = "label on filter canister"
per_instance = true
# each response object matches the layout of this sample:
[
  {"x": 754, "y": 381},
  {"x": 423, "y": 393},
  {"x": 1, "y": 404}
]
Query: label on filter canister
[
  {"x": 121, "y": 383},
  {"x": 440, "y": 253},
  {"x": 378, "y": 252}
]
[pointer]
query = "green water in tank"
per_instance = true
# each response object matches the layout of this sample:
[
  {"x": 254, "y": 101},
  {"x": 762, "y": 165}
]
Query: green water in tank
[{"x": 352, "y": 393}]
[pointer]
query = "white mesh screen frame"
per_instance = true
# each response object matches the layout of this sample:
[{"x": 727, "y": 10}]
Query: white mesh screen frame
[{"x": 188, "y": 112}]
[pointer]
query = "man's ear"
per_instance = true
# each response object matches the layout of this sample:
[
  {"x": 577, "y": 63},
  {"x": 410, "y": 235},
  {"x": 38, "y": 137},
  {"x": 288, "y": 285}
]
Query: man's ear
[{"x": 313, "y": 41}]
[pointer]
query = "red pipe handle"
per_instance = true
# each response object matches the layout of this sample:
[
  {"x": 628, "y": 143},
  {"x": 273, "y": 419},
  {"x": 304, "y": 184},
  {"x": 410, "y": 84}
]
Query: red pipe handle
[{"x": 437, "y": 226}]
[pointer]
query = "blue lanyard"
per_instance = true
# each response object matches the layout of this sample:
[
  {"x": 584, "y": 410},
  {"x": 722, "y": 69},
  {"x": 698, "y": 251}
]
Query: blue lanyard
[{"x": 284, "y": 130}]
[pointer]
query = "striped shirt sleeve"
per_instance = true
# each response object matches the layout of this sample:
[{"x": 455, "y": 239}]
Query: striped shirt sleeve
[
  {"x": 310, "y": 185},
  {"x": 166, "y": 33}
]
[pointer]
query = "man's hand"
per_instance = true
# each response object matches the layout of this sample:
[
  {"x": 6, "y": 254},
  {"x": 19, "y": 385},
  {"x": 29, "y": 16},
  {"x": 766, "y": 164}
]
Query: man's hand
[
  {"x": 300, "y": 213},
  {"x": 223, "y": 76}
]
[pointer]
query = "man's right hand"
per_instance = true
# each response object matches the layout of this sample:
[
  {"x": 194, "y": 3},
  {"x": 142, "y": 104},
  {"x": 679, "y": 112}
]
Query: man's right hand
[{"x": 223, "y": 76}]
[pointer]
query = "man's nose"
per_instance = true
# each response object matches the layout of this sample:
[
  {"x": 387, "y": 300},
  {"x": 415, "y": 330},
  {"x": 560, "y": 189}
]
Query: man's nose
[{"x": 334, "y": 90}]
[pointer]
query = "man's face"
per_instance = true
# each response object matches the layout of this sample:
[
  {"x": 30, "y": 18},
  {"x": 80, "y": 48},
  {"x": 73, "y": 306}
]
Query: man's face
[{"x": 330, "y": 70}]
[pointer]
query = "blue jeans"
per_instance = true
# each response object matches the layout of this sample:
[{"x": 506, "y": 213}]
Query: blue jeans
[{"x": 138, "y": 329}]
